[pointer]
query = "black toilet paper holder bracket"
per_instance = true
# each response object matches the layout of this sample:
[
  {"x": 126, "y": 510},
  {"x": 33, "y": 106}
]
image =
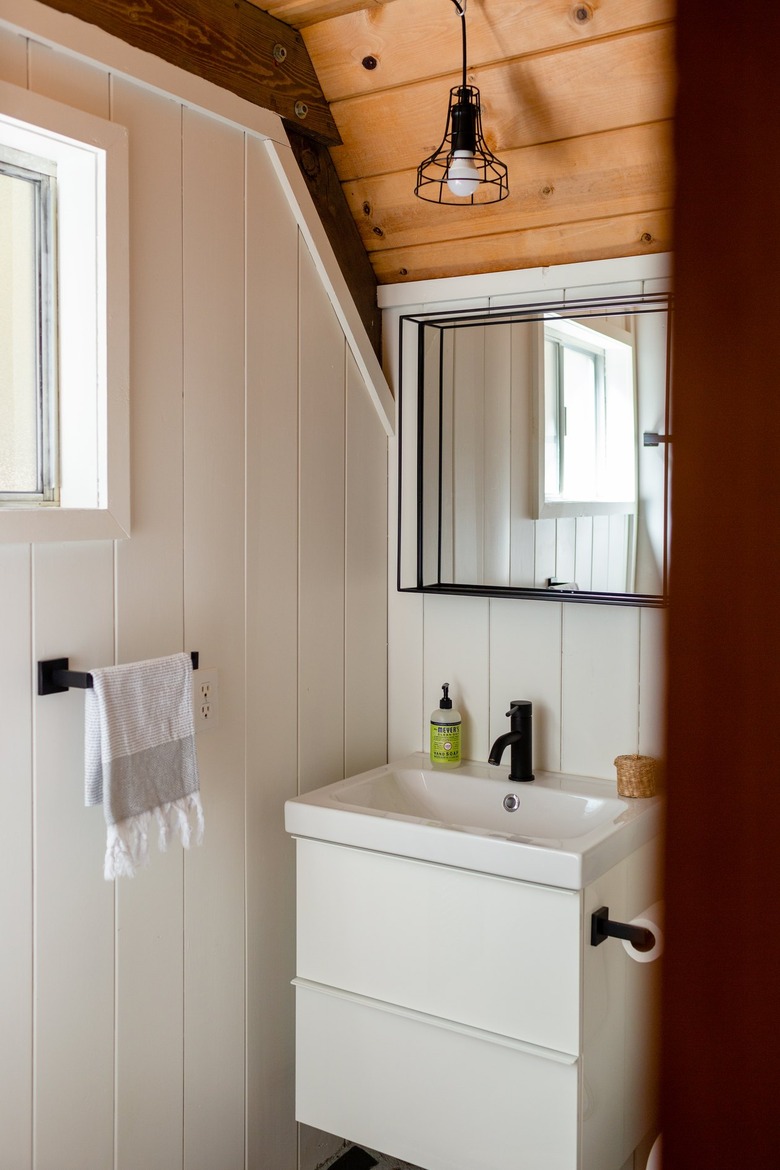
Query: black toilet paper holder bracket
[{"x": 603, "y": 927}]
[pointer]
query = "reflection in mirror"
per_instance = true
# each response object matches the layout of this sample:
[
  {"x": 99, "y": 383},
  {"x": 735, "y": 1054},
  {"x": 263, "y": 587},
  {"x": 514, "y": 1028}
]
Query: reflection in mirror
[{"x": 533, "y": 451}]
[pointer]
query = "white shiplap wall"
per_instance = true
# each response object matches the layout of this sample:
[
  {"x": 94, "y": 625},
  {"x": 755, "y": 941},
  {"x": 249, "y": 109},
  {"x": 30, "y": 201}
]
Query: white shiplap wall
[
  {"x": 149, "y": 1023},
  {"x": 594, "y": 673}
]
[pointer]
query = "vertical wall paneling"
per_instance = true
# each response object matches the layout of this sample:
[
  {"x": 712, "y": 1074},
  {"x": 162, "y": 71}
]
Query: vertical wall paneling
[
  {"x": 150, "y": 909},
  {"x": 74, "y": 920},
  {"x": 523, "y": 432},
  {"x": 404, "y": 610},
  {"x": 69, "y": 80},
  {"x": 321, "y": 534},
  {"x": 525, "y": 663},
  {"x": 456, "y": 632},
  {"x": 272, "y": 660},
  {"x": 497, "y": 454},
  {"x": 600, "y": 692},
  {"x": 74, "y": 906},
  {"x": 652, "y": 682},
  {"x": 16, "y": 857},
  {"x": 365, "y": 640},
  {"x": 13, "y": 57},
  {"x": 214, "y": 601}
]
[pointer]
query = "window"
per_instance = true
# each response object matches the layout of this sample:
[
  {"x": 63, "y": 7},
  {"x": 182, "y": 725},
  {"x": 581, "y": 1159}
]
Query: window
[
  {"x": 64, "y": 468},
  {"x": 28, "y": 334},
  {"x": 587, "y": 440}
]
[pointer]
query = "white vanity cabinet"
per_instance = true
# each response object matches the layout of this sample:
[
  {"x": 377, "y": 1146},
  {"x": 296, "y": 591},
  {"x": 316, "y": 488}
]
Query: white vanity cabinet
[{"x": 461, "y": 1021}]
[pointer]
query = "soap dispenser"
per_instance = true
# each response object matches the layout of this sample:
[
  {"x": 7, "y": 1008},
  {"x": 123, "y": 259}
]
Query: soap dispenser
[{"x": 445, "y": 733}]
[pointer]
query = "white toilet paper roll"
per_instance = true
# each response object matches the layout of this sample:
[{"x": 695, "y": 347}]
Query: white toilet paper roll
[
  {"x": 654, "y": 1161},
  {"x": 651, "y": 919}
]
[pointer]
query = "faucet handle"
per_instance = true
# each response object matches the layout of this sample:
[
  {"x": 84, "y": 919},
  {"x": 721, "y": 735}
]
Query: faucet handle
[{"x": 516, "y": 704}]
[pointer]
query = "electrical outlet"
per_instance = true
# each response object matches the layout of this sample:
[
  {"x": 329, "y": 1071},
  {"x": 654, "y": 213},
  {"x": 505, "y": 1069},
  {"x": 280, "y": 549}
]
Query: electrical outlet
[{"x": 205, "y": 698}]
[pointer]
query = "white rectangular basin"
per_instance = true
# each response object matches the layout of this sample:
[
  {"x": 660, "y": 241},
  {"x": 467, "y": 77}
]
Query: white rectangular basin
[{"x": 566, "y": 830}]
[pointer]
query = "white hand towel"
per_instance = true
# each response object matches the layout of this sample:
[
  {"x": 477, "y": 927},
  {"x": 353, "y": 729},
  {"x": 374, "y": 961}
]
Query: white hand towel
[{"x": 139, "y": 756}]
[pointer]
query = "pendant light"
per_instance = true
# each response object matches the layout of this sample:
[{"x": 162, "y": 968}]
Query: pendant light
[{"x": 463, "y": 169}]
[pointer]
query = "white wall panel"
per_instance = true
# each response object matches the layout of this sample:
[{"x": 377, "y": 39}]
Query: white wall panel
[
  {"x": 365, "y": 640},
  {"x": 272, "y": 660},
  {"x": 321, "y": 534},
  {"x": 600, "y": 691},
  {"x": 525, "y": 663},
  {"x": 404, "y": 610},
  {"x": 13, "y": 57},
  {"x": 652, "y": 682},
  {"x": 69, "y": 80},
  {"x": 74, "y": 905},
  {"x": 16, "y": 856},
  {"x": 454, "y": 639},
  {"x": 214, "y": 606},
  {"x": 150, "y": 910}
]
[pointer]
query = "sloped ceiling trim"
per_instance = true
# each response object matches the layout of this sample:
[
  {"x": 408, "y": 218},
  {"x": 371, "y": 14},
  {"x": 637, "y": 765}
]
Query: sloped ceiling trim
[{"x": 313, "y": 232}]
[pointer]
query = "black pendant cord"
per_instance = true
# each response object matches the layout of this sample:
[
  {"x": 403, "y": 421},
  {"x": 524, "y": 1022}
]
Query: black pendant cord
[{"x": 461, "y": 8}]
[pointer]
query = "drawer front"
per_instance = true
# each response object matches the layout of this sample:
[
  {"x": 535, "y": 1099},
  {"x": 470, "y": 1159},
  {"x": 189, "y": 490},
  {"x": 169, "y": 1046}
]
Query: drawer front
[
  {"x": 421, "y": 1090},
  {"x": 490, "y": 952}
]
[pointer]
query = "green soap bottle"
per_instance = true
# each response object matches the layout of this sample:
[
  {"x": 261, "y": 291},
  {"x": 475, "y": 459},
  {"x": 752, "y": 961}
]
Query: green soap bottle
[{"x": 445, "y": 733}]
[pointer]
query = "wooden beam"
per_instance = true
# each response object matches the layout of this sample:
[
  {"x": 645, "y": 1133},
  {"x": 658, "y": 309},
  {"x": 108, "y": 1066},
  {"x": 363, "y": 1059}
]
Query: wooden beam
[
  {"x": 231, "y": 43},
  {"x": 317, "y": 168}
]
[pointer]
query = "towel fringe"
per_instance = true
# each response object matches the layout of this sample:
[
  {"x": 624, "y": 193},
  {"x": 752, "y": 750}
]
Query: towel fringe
[{"x": 127, "y": 845}]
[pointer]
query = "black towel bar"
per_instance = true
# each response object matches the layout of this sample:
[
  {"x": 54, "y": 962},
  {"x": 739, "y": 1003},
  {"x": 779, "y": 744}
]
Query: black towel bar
[{"x": 54, "y": 676}]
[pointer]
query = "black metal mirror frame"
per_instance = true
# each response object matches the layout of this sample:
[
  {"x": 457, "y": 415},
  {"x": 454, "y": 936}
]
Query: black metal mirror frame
[{"x": 539, "y": 311}]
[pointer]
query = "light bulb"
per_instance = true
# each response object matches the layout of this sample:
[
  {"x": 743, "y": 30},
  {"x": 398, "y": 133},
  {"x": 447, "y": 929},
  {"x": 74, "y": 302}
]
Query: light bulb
[{"x": 462, "y": 174}]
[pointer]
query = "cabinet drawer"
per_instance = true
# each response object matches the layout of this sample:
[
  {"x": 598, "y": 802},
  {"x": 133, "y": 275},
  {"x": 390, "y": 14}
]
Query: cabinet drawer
[
  {"x": 442, "y": 1097},
  {"x": 494, "y": 953}
]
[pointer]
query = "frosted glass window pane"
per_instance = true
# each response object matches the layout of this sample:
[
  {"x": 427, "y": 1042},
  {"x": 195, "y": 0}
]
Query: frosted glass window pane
[
  {"x": 580, "y": 445},
  {"x": 19, "y": 464}
]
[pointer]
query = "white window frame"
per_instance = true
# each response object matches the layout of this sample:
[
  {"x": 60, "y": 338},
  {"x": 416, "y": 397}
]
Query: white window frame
[
  {"x": 40, "y": 175},
  {"x": 93, "y": 295},
  {"x": 588, "y": 336}
]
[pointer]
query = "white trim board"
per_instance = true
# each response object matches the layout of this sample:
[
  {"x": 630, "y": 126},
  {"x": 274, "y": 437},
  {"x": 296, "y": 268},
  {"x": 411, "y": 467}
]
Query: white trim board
[{"x": 525, "y": 280}]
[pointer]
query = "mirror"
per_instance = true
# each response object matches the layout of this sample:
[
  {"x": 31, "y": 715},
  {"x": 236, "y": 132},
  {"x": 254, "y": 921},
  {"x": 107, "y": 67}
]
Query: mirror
[{"x": 534, "y": 450}]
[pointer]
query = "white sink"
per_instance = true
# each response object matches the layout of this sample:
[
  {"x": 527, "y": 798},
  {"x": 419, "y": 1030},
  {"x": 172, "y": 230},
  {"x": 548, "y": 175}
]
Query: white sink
[{"x": 566, "y": 831}]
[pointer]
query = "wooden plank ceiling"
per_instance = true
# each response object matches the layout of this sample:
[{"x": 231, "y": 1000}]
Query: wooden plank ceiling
[{"x": 577, "y": 99}]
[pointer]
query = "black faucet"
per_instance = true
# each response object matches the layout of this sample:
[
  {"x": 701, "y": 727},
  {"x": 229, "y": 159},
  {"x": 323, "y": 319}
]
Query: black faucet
[{"x": 520, "y": 737}]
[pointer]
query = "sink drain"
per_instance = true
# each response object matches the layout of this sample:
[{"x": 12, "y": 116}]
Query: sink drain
[{"x": 511, "y": 802}]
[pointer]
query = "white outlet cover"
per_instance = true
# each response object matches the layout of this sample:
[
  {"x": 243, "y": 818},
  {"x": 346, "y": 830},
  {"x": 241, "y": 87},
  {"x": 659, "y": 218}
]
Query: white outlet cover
[{"x": 205, "y": 698}]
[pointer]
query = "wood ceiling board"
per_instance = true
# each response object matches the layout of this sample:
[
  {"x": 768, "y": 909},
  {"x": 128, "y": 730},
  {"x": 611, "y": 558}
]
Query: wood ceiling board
[
  {"x": 565, "y": 244},
  {"x": 567, "y": 93},
  {"x": 412, "y": 41},
  {"x": 300, "y": 13},
  {"x": 227, "y": 42},
  {"x": 613, "y": 173}
]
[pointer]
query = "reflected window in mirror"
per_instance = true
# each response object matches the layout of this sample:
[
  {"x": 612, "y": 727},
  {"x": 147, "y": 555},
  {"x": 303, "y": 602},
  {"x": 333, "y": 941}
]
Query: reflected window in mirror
[{"x": 588, "y": 440}]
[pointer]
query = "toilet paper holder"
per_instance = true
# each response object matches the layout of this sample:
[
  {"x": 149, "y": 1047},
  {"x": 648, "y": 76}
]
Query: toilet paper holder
[{"x": 603, "y": 927}]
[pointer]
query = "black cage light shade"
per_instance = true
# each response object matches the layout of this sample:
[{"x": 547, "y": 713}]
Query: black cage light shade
[{"x": 463, "y": 169}]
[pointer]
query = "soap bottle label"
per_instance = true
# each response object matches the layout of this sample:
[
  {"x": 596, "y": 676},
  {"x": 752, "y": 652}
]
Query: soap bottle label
[{"x": 445, "y": 743}]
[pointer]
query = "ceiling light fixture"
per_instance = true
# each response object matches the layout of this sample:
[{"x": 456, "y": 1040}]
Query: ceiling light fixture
[{"x": 463, "y": 167}]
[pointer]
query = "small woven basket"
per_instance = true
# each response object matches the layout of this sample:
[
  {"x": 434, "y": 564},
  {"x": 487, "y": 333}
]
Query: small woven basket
[{"x": 636, "y": 775}]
